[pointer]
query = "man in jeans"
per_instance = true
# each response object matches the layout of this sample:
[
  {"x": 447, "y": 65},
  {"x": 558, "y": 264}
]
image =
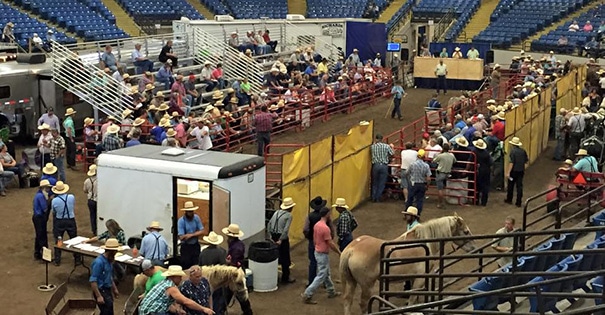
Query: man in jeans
[
  {"x": 516, "y": 170},
  {"x": 322, "y": 237},
  {"x": 419, "y": 174},
  {"x": 263, "y": 122},
  {"x": 381, "y": 155}
]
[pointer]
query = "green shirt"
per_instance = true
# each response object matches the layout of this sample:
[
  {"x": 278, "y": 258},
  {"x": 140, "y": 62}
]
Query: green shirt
[
  {"x": 245, "y": 87},
  {"x": 443, "y": 54},
  {"x": 155, "y": 279},
  {"x": 70, "y": 129}
]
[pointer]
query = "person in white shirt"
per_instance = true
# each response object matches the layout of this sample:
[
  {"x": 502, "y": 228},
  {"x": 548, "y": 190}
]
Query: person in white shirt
[
  {"x": 202, "y": 133},
  {"x": 139, "y": 59},
  {"x": 433, "y": 148},
  {"x": 408, "y": 156},
  {"x": 44, "y": 143},
  {"x": 472, "y": 53},
  {"x": 37, "y": 41},
  {"x": 441, "y": 73},
  {"x": 574, "y": 27}
]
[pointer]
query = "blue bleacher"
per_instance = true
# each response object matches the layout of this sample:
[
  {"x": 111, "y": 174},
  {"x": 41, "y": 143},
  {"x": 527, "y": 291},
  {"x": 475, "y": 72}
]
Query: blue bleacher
[
  {"x": 336, "y": 8},
  {"x": 405, "y": 9},
  {"x": 160, "y": 9},
  {"x": 247, "y": 9},
  {"x": 25, "y": 26},
  {"x": 435, "y": 9},
  {"x": 514, "y": 20}
]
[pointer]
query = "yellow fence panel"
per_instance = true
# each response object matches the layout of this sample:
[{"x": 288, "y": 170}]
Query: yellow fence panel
[
  {"x": 353, "y": 177},
  {"x": 321, "y": 185},
  {"x": 295, "y": 165},
  {"x": 535, "y": 139},
  {"x": 321, "y": 154},
  {"x": 546, "y": 97},
  {"x": 519, "y": 117},
  {"x": 528, "y": 108},
  {"x": 354, "y": 140},
  {"x": 510, "y": 125},
  {"x": 546, "y": 126},
  {"x": 524, "y": 135},
  {"x": 299, "y": 191}
]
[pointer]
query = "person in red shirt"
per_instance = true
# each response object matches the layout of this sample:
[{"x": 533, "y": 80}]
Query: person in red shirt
[
  {"x": 217, "y": 74},
  {"x": 497, "y": 134},
  {"x": 263, "y": 123},
  {"x": 322, "y": 238},
  {"x": 268, "y": 41}
]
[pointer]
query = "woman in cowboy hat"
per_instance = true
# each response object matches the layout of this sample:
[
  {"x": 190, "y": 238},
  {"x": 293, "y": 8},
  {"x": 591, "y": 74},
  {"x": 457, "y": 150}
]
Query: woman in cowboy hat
[
  {"x": 235, "y": 257},
  {"x": 485, "y": 162},
  {"x": 189, "y": 228},
  {"x": 345, "y": 224},
  {"x": 278, "y": 229},
  {"x": 103, "y": 287},
  {"x": 154, "y": 246}
]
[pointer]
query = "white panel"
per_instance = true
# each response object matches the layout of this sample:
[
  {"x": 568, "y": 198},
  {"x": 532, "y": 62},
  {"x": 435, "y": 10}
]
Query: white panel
[{"x": 178, "y": 169}]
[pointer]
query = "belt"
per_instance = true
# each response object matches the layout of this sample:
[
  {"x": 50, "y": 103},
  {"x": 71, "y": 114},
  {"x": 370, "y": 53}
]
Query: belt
[
  {"x": 64, "y": 218},
  {"x": 443, "y": 172}
]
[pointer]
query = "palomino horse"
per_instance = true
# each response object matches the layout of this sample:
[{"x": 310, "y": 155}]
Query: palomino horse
[{"x": 360, "y": 261}]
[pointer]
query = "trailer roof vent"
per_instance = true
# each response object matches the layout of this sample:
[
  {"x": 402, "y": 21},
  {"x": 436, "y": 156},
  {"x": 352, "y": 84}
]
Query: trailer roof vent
[{"x": 173, "y": 152}]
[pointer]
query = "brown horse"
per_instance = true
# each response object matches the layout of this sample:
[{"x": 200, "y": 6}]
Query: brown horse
[{"x": 360, "y": 261}]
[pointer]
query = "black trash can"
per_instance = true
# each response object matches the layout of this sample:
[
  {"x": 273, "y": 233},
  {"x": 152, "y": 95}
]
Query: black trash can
[{"x": 262, "y": 261}]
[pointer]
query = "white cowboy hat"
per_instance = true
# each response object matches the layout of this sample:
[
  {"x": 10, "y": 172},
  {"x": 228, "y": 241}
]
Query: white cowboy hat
[
  {"x": 576, "y": 111},
  {"x": 217, "y": 95},
  {"x": 480, "y": 144},
  {"x": 44, "y": 183},
  {"x": 496, "y": 66},
  {"x": 112, "y": 244},
  {"x": 568, "y": 162},
  {"x": 287, "y": 203},
  {"x": 49, "y": 169},
  {"x": 364, "y": 123},
  {"x": 273, "y": 107},
  {"x": 492, "y": 101},
  {"x": 515, "y": 141},
  {"x": 126, "y": 76},
  {"x": 138, "y": 121},
  {"x": 457, "y": 49},
  {"x": 70, "y": 111},
  {"x": 213, "y": 238},
  {"x": 501, "y": 116},
  {"x": 174, "y": 271},
  {"x": 219, "y": 104},
  {"x": 233, "y": 230},
  {"x": 159, "y": 94},
  {"x": 126, "y": 113},
  {"x": 340, "y": 203},
  {"x": 163, "y": 107},
  {"x": 491, "y": 108},
  {"x": 411, "y": 210},
  {"x": 110, "y": 117},
  {"x": 60, "y": 188},
  {"x": 155, "y": 225},
  {"x": 92, "y": 170},
  {"x": 582, "y": 152},
  {"x": 461, "y": 141},
  {"x": 113, "y": 129},
  {"x": 189, "y": 206},
  {"x": 44, "y": 126}
]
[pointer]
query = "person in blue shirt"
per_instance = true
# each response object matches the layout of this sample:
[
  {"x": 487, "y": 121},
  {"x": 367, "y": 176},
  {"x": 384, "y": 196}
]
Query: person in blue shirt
[
  {"x": 434, "y": 102},
  {"x": 190, "y": 228},
  {"x": 63, "y": 207},
  {"x": 154, "y": 246},
  {"x": 49, "y": 172},
  {"x": 165, "y": 76},
  {"x": 398, "y": 94},
  {"x": 134, "y": 139},
  {"x": 586, "y": 163},
  {"x": 159, "y": 132},
  {"x": 39, "y": 218},
  {"x": 101, "y": 281}
]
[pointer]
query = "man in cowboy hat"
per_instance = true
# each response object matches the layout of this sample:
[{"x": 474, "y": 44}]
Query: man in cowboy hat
[
  {"x": 57, "y": 152},
  {"x": 50, "y": 119},
  {"x": 63, "y": 207},
  {"x": 189, "y": 228},
  {"x": 39, "y": 218},
  {"x": 49, "y": 172},
  {"x": 101, "y": 281},
  {"x": 70, "y": 134},
  {"x": 153, "y": 245},
  {"x": 159, "y": 299},
  {"x": 235, "y": 257},
  {"x": 586, "y": 162},
  {"x": 112, "y": 141},
  {"x": 485, "y": 161},
  {"x": 44, "y": 142},
  {"x": 516, "y": 170},
  {"x": 214, "y": 254},
  {"x": 206, "y": 76},
  {"x": 345, "y": 224},
  {"x": 495, "y": 81},
  {"x": 411, "y": 217},
  {"x": 278, "y": 229},
  {"x": 263, "y": 122},
  {"x": 420, "y": 175},
  {"x": 576, "y": 126},
  {"x": 90, "y": 189},
  {"x": 170, "y": 141}
]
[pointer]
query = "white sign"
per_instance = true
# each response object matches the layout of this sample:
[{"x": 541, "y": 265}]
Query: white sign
[
  {"x": 333, "y": 29},
  {"x": 47, "y": 254}
]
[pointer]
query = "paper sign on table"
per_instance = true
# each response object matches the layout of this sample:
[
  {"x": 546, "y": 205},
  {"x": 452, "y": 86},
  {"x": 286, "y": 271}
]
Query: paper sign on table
[
  {"x": 75, "y": 240},
  {"x": 123, "y": 258}
]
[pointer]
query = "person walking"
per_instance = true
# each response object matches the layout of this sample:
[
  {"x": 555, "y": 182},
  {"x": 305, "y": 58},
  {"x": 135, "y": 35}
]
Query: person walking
[
  {"x": 420, "y": 175},
  {"x": 381, "y": 155},
  {"x": 445, "y": 161},
  {"x": 560, "y": 128},
  {"x": 63, "y": 207},
  {"x": 101, "y": 281},
  {"x": 345, "y": 224},
  {"x": 484, "y": 162},
  {"x": 57, "y": 153},
  {"x": 39, "y": 218},
  {"x": 495, "y": 81},
  {"x": 316, "y": 204},
  {"x": 516, "y": 169},
  {"x": 190, "y": 228},
  {"x": 90, "y": 189},
  {"x": 398, "y": 94},
  {"x": 70, "y": 142},
  {"x": 441, "y": 74},
  {"x": 323, "y": 243},
  {"x": 263, "y": 123},
  {"x": 278, "y": 228}
]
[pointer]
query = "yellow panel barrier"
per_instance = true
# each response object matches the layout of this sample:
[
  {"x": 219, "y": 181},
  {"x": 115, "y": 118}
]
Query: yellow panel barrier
[
  {"x": 519, "y": 117},
  {"x": 353, "y": 177},
  {"x": 356, "y": 138},
  {"x": 321, "y": 154},
  {"x": 510, "y": 125},
  {"x": 535, "y": 138},
  {"x": 321, "y": 185},
  {"x": 295, "y": 165},
  {"x": 524, "y": 135},
  {"x": 299, "y": 191},
  {"x": 546, "y": 126},
  {"x": 546, "y": 97}
]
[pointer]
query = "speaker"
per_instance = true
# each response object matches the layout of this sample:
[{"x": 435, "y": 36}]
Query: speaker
[
  {"x": 405, "y": 54},
  {"x": 489, "y": 56},
  {"x": 31, "y": 58}
]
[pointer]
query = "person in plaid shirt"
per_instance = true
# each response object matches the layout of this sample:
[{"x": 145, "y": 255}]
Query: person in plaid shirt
[
  {"x": 345, "y": 224},
  {"x": 112, "y": 141},
  {"x": 57, "y": 153},
  {"x": 263, "y": 123}
]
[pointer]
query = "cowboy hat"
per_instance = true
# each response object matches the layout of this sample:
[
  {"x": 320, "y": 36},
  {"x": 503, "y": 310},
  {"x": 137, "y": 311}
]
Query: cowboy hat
[
  {"x": 152, "y": 108},
  {"x": 461, "y": 141},
  {"x": 133, "y": 90},
  {"x": 44, "y": 183},
  {"x": 568, "y": 162},
  {"x": 515, "y": 141},
  {"x": 208, "y": 108},
  {"x": 163, "y": 107},
  {"x": 126, "y": 76},
  {"x": 340, "y": 203},
  {"x": 219, "y": 104},
  {"x": 126, "y": 113},
  {"x": 217, "y": 95},
  {"x": 44, "y": 126},
  {"x": 582, "y": 152},
  {"x": 411, "y": 210},
  {"x": 491, "y": 108},
  {"x": 287, "y": 203},
  {"x": 213, "y": 238},
  {"x": 159, "y": 94},
  {"x": 576, "y": 111},
  {"x": 60, "y": 188},
  {"x": 164, "y": 122},
  {"x": 501, "y": 116},
  {"x": 496, "y": 66},
  {"x": 155, "y": 225},
  {"x": 49, "y": 169},
  {"x": 457, "y": 49},
  {"x": 92, "y": 170},
  {"x": 189, "y": 206},
  {"x": 273, "y": 107},
  {"x": 207, "y": 63},
  {"x": 480, "y": 144},
  {"x": 149, "y": 87},
  {"x": 233, "y": 100},
  {"x": 112, "y": 244},
  {"x": 170, "y": 133},
  {"x": 113, "y": 129},
  {"x": 492, "y": 101},
  {"x": 166, "y": 116},
  {"x": 174, "y": 271},
  {"x": 110, "y": 117},
  {"x": 317, "y": 203},
  {"x": 364, "y": 123},
  {"x": 87, "y": 121},
  {"x": 176, "y": 114},
  {"x": 138, "y": 121},
  {"x": 233, "y": 230},
  {"x": 70, "y": 111}
]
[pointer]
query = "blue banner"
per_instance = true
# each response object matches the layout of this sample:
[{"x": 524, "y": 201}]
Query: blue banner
[{"x": 369, "y": 38}]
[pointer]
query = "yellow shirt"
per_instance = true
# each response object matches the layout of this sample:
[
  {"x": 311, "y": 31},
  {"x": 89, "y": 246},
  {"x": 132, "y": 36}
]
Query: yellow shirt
[{"x": 322, "y": 68}]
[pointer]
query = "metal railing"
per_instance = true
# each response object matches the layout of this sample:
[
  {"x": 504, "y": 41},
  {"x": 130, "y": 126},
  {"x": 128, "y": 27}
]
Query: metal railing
[
  {"x": 444, "y": 23},
  {"x": 297, "y": 37}
]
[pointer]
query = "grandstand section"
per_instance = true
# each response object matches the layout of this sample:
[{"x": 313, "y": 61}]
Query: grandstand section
[
  {"x": 478, "y": 22},
  {"x": 145, "y": 12},
  {"x": 123, "y": 20},
  {"x": 245, "y": 9},
  {"x": 391, "y": 10},
  {"x": 460, "y": 11},
  {"x": 338, "y": 8}
]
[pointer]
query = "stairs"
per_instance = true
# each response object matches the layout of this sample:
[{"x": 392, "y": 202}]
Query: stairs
[
  {"x": 479, "y": 21},
  {"x": 297, "y": 7},
  {"x": 123, "y": 20},
  {"x": 390, "y": 10},
  {"x": 61, "y": 29},
  {"x": 197, "y": 4},
  {"x": 553, "y": 26}
]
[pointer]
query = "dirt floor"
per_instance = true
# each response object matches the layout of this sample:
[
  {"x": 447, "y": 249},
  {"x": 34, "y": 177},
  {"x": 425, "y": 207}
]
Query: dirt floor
[{"x": 21, "y": 274}]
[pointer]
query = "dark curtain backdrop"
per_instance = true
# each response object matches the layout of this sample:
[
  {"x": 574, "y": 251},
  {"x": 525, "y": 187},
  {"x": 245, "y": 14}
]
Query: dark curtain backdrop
[
  {"x": 464, "y": 47},
  {"x": 369, "y": 38}
]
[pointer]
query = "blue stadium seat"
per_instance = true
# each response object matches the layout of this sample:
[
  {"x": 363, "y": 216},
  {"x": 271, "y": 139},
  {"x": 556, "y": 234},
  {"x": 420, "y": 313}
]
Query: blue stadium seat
[
  {"x": 573, "y": 262},
  {"x": 597, "y": 287},
  {"x": 548, "y": 303},
  {"x": 25, "y": 26},
  {"x": 557, "y": 244},
  {"x": 485, "y": 285},
  {"x": 599, "y": 220}
]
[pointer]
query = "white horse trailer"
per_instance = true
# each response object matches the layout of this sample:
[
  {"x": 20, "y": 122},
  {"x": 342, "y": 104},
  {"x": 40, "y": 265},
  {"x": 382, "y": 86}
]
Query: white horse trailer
[{"x": 145, "y": 183}]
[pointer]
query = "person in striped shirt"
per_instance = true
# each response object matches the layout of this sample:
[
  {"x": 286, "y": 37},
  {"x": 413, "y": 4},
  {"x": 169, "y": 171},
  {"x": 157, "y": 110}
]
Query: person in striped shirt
[{"x": 381, "y": 155}]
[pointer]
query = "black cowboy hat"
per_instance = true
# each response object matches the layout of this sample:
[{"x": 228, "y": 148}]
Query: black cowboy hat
[{"x": 317, "y": 203}]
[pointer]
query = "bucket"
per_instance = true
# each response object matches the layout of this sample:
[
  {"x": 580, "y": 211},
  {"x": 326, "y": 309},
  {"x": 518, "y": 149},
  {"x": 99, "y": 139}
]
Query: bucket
[{"x": 249, "y": 279}]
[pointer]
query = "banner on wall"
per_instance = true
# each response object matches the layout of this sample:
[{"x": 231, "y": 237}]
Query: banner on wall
[
  {"x": 333, "y": 29},
  {"x": 369, "y": 38}
]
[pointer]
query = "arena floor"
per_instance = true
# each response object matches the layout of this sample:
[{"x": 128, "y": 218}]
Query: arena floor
[{"x": 21, "y": 274}]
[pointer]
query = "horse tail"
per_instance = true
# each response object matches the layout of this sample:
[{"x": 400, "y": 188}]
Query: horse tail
[{"x": 345, "y": 273}]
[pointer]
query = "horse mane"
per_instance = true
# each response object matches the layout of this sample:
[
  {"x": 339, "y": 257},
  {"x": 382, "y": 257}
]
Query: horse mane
[
  {"x": 434, "y": 228},
  {"x": 220, "y": 272}
]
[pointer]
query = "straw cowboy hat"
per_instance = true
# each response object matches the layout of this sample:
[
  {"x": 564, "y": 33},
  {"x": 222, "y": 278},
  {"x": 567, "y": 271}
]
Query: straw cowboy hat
[
  {"x": 126, "y": 76},
  {"x": 113, "y": 129},
  {"x": 49, "y": 169},
  {"x": 281, "y": 103},
  {"x": 44, "y": 126},
  {"x": 70, "y": 111},
  {"x": 217, "y": 95},
  {"x": 166, "y": 116},
  {"x": 173, "y": 271},
  {"x": 340, "y": 203},
  {"x": 159, "y": 94},
  {"x": 208, "y": 108},
  {"x": 138, "y": 121},
  {"x": 515, "y": 141},
  {"x": 496, "y": 66},
  {"x": 152, "y": 108},
  {"x": 457, "y": 49},
  {"x": 364, "y": 123},
  {"x": 170, "y": 133},
  {"x": 189, "y": 206},
  {"x": 287, "y": 203},
  {"x": 461, "y": 141},
  {"x": 491, "y": 108},
  {"x": 155, "y": 225},
  {"x": 501, "y": 116},
  {"x": 234, "y": 100},
  {"x": 87, "y": 121},
  {"x": 92, "y": 170},
  {"x": 219, "y": 104},
  {"x": 233, "y": 230},
  {"x": 150, "y": 86},
  {"x": 44, "y": 183},
  {"x": 568, "y": 162},
  {"x": 582, "y": 152},
  {"x": 163, "y": 107},
  {"x": 176, "y": 114},
  {"x": 411, "y": 210},
  {"x": 480, "y": 144},
  {"x": 112, "y": 244},
  {"x": 576, "y": 111},
  {"x": 213, "y": 238},
  {"x": 60, "y": 188},
  {"x": 273, "y": 107},
  {"x": 126, "y": 113},
  {"x": 110, "y": 117},
  {"x": 133, "y": 90},
  {"x": 492, "y": 101}
]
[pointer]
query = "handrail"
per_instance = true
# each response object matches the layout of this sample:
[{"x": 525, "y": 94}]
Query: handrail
[{"x": 526, "y": 212}]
